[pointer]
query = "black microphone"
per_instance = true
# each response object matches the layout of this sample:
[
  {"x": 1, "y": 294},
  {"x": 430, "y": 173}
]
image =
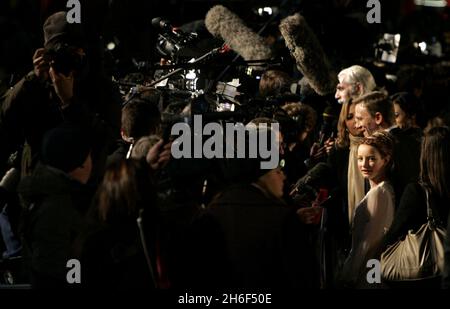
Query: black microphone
[
  {"x": 329, "y": 125},
  {"x": 319, "y": 175}
]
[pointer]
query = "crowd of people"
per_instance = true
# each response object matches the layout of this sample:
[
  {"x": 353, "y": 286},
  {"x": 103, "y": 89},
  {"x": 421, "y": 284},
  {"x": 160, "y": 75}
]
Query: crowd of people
[{"x": 86, "y": 177}]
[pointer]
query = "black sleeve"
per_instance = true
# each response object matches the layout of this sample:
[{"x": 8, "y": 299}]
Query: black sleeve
[
  {"x": 299, "y": 267},
  {"x": 410, "y": 215},
  {"x": 14, "y": 105},
  {"x": 406, "y": 162}
]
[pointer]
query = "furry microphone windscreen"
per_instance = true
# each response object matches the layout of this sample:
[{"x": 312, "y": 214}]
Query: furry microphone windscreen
[
  {"x": 305, "y": 87},
  {"x": 308, "y": 54},
  {"x": 224, "y": 24}
]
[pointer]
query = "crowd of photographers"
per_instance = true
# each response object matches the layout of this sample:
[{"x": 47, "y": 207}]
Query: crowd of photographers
[{"x": 87, "y": 177}]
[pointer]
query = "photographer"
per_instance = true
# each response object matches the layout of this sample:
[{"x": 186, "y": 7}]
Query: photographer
[{"x": 61, "y": 87}]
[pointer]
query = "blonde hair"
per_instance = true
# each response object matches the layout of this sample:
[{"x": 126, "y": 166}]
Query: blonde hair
[{"x": 343, "y": 140}]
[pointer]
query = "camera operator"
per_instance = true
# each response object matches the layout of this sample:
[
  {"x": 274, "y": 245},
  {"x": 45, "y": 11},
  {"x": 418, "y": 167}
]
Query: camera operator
[{"x": 61, "y": 88}]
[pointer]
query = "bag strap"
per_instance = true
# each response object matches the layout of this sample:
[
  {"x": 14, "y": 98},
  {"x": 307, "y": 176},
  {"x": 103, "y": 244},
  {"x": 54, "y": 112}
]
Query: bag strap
[
  {"x": 430, "y": 217},
  {"x": 429, "y": 211}
]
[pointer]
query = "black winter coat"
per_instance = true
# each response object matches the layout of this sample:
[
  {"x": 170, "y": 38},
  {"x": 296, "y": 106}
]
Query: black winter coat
[
  {"x": 54, "y": 218},
  {"x": 247, "y": 239}
]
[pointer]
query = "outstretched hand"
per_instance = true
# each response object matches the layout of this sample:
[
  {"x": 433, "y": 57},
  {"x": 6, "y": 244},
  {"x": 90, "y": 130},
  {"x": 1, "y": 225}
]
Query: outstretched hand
[
  {"x": 317, "y": 152},
  {"x": 330, "y": 145},
  {"x": 309, "y": 215}
]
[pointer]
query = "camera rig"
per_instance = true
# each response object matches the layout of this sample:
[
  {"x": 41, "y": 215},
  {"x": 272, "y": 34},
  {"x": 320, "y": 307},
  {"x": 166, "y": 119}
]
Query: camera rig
[{"x": 64, "y": 58}]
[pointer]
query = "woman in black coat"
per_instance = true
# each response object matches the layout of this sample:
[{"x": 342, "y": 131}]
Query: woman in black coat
[{"x": 435, "y": 177}]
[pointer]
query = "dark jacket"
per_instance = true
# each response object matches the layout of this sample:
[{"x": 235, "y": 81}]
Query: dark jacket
[
  {"x": 113, "y": 257},
  {"x": 54, "y": 209},
  {"x": 412, "y": 212},
  {"x": 338, "y": 214},
  {"x": 406, "y": 167},
  {"x": 246, "y": 239}
]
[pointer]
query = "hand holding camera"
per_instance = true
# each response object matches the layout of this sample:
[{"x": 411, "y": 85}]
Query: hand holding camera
[
  {"x": 40, "y": 64},
  {"x": 44, "y": 67},
  {"x": 60, "y": 63}
]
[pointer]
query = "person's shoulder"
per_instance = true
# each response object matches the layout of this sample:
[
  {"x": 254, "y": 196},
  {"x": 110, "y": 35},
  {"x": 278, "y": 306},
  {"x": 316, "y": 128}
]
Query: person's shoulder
[
  {"x": 381, "y": 187},
  {"x": 413, "y": 192},
  {"x": 405, "y": 137},
  {"x": 413, "y": 187},
  {"x": 382, "y": 190}
]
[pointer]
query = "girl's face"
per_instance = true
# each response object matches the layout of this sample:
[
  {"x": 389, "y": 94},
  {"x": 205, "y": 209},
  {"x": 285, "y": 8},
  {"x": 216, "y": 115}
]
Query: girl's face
[{"x": 371, "y": 164}]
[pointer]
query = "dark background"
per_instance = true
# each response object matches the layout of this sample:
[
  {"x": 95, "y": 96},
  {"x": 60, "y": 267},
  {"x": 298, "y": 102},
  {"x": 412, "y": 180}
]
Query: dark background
[{"x": 340, "y": 25}]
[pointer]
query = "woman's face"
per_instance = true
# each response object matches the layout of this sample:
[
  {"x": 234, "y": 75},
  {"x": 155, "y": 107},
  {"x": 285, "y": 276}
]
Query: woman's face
[
  {"x": 273, "y": 182},
  {"x": 350, "y": 122},
  {"x": 401, "y": 118},
  {"x": 371, "y": 164}
]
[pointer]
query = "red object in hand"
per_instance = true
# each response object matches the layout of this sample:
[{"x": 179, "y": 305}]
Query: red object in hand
[{"x": 321, "y": 197}]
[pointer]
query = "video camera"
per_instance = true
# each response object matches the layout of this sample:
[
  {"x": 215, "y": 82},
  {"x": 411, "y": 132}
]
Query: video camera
[
  {"x": 64, "y": 58},
  {"x": 172, "y": 41}
]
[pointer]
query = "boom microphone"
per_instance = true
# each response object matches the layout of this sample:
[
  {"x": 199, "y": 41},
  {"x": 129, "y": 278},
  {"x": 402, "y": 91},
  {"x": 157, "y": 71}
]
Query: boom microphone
[
  {"x": 224, "y": 24},
  {"x": 308, "y": 54}
]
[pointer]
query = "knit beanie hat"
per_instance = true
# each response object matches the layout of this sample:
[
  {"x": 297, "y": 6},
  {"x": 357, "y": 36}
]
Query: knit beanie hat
[
  {"x": 57, "y": 30},
  {"x": 66, "y": 147}
]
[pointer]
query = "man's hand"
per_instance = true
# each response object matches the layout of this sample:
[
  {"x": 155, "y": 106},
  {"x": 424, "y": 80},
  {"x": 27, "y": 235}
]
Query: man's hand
[
  {"x": 159, "y": 155},
  {"x": 317, "y": 152},
  {"x": 330, "y": 145},
  {"x": 309, "y": 215},
  {"x": 63, "y": 86},
  {"x": 40, "y": 65}
]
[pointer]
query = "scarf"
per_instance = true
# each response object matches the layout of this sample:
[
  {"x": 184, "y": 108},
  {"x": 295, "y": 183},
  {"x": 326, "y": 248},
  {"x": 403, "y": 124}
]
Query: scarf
[{"x": 355, "y": 180}]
